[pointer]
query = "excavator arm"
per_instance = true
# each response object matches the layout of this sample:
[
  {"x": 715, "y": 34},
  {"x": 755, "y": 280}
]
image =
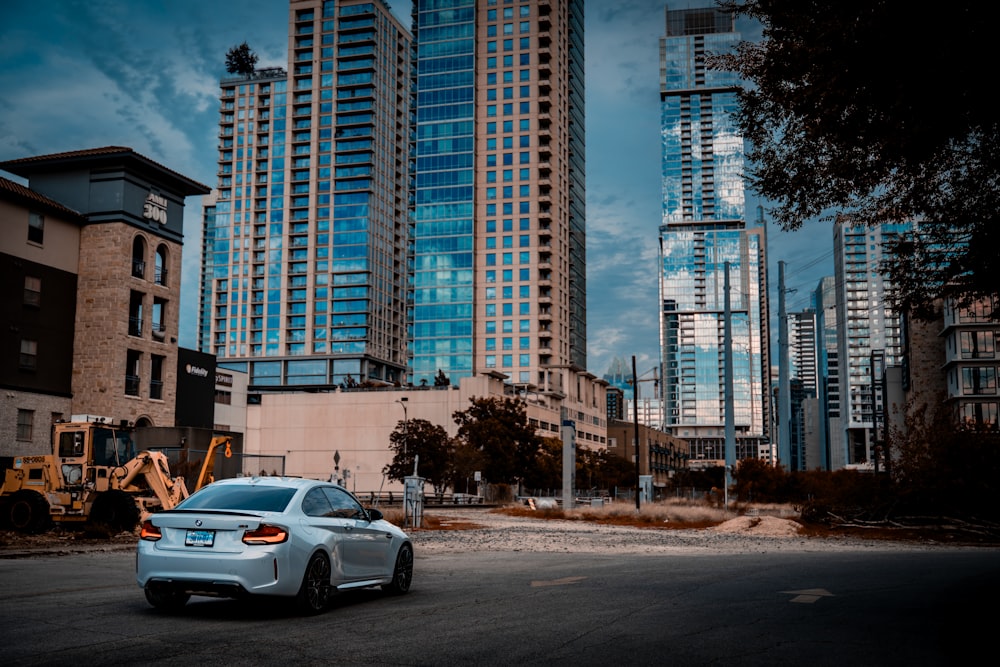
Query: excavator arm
[
  {"x": 154, "y": 468},
  {"x": 206, "y": 475}
]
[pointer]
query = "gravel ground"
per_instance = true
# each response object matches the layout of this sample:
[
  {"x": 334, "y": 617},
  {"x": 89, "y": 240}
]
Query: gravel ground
[
  {"x": 466, "y": 530},
  {"x": 499, "y": 532}
]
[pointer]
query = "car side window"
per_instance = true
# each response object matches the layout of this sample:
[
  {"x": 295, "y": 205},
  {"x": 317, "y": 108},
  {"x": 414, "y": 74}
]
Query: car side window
[
  {"x": 344, "y": 505},
  {"x": 316, "y": 504}
]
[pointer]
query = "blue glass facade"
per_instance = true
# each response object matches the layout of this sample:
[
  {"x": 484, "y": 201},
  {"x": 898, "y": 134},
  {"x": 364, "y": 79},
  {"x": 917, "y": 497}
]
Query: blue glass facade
[
  {"x": 499, "y": 278},
  {"x": 702, "y": 229},
  {"x": 443, "y": 230},
  {"x": 304, "y": 270}
]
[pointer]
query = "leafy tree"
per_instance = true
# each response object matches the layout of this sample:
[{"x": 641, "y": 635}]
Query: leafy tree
[
  {"x": 466, "y": 461},
  {"x": 601, "y": 469},
  {"x": 595, "y": 468},
  {"x": 241, "y": 60},
  {"x": 874, "y": 112},
  {"x": 756, "y": 480},
  {"x": 441, "y": 380},
  {"x": 498, "y": 429},
  {"x": 944, "y": 469},
  {"x": 436, "y": 449},
  {"x": 548, "y": 469}
]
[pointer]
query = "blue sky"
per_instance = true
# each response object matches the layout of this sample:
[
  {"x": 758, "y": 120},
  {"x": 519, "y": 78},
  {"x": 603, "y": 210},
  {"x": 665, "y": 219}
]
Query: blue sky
[{"x": 144, "y": 74}]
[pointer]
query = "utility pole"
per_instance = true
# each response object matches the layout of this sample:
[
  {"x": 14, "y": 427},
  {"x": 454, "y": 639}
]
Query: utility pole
[{"x": 635, "y": 419}]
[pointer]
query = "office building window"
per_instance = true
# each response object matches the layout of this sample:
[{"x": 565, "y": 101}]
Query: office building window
[
  {"x": 135, "y": 314},
  {"x": 979, "y": 380},
  {"x": 25, "y": 424},
  {"x": 36, "y": 228},
  {"x": 139, "y": 257},
  {"x": 28, "y": 360},
  {"x": 161, "y": 265},
  {"x": 133, "y": 364},
  {"x": 159, "y": 318},
  {"x": 156, "y": 377},
  {"x": 32, "y": 291}
]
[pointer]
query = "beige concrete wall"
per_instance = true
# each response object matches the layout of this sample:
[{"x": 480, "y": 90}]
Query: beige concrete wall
[
  {"x": 61, "y": 243},
  {"x": 234, "y": 415},
  {"x": 308, "y": 428}
]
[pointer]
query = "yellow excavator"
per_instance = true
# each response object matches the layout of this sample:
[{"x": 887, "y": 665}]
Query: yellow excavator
[{"x": 94, "y": 476}]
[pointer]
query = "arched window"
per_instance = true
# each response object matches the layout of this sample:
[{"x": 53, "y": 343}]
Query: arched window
[
  {"x": 139, "y": 257},
  {"x": 161, "y": 265}
]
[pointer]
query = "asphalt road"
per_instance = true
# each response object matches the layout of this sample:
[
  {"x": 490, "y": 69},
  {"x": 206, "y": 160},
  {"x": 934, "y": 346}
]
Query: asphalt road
[{"x": 841, "y": 608}]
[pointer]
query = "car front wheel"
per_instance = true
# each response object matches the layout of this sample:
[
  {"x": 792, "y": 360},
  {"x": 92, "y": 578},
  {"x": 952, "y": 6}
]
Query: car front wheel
[
  {"x": 314, "y": 594},
  {"x": 402, "y": 574}
]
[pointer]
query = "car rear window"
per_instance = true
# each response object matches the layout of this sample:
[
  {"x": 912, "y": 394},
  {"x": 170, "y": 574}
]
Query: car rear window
[{"x": 231, "y": 497}]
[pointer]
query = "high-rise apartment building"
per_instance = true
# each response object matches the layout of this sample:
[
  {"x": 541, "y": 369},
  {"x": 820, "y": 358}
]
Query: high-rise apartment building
[
  {"x": 868, "y": 337},
  {"x": 802, "y": 372},
  {"x": 498, "y": 263},
  {"x": 703, "y": 231},
  {"x": 828, "y": 374},
  {"x": 304, "y": 254}
]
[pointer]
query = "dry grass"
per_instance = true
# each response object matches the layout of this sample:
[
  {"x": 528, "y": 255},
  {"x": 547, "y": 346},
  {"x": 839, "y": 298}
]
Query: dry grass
[{"x": 661, "y": 514}]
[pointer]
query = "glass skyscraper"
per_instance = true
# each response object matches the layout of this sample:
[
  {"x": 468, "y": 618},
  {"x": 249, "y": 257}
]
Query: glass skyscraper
[
  {"x": 304, "y": 266},
  {"x": 868, "y": 337},
  {"x": 498, "y": 238},
  {"x": 828, "y": 375},
  {"x": 703, "y": 229}
]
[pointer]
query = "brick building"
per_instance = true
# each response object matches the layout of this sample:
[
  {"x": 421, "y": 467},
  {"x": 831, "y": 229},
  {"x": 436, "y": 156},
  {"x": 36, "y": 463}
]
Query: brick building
[
  {"x": 660, "y": 454},
  {"x": 91, "y": 259}
]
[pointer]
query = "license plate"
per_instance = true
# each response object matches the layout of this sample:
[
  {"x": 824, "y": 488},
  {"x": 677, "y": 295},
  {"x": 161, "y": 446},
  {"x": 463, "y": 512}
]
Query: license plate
[{"x": 200, "y": 538}]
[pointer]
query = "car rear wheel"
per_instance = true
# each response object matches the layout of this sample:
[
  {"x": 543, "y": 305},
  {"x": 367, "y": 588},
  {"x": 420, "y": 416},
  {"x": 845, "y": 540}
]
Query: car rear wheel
[
  {"x": 402, "y": 574},
  {"x": 165, "y": 597},
  {"x": 314, "y": 594}
]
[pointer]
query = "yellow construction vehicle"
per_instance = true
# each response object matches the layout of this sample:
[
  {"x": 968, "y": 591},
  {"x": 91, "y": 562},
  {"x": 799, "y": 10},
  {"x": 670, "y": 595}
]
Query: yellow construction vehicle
[{"x": 93, "y": 475}]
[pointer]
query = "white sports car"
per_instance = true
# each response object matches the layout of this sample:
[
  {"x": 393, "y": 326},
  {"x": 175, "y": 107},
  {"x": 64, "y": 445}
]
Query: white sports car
[{"x": 290, "y": 537}]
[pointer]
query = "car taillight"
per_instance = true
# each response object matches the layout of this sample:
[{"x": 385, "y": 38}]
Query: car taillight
[
  {"x": 149, "y": 531},
  {"x": 265, "y": 534}
]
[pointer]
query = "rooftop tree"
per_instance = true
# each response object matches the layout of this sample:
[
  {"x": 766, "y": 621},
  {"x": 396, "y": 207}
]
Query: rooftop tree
[{"x": 241, "y": 60}]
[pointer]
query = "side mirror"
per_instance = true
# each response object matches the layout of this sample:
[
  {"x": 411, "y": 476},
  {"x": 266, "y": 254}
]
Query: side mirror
[{"x": 375, "y": 515}]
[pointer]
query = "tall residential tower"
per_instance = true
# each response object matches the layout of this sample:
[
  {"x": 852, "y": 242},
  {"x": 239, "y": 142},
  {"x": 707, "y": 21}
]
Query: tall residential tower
[
  {"x": 868, "y": 338},
  {"x": 703, "y": 231},
  {"x": 499, "y": 280},
  {"x": 304, "y": 262}
]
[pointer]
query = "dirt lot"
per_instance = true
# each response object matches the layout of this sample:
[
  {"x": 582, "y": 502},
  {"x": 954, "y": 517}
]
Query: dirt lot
[{"x": 520, "y": 529}]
